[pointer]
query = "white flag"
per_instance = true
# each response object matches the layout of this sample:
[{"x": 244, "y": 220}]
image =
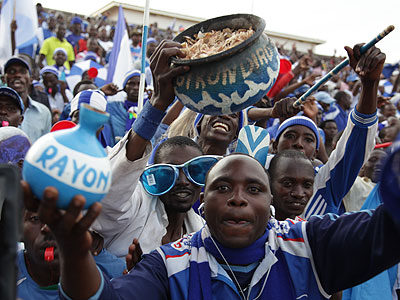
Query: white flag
[{"x": 7, "y": 12}]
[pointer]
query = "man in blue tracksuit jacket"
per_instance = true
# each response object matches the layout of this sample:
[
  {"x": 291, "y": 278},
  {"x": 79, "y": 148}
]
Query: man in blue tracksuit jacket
[{"x": 235, "y": 255}]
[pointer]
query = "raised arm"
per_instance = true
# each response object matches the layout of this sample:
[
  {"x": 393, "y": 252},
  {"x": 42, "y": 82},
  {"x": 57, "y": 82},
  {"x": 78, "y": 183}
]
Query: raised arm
[{"x": 336, "y": 177}]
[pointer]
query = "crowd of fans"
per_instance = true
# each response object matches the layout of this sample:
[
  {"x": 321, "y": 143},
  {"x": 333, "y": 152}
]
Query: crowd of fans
[{"x": 325, "y": 158}]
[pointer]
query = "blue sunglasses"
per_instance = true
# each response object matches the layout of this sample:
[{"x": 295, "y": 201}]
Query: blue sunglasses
[{"x": 160, "y": 178}]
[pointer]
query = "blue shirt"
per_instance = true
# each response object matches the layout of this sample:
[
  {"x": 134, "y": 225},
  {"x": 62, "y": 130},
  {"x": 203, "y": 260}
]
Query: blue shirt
[
  {"x": 337, "y": 113},
  {"x": 27, "y": 288},
  {"x": 37, "y": 120},
  {"x": 74, "y": 39}
]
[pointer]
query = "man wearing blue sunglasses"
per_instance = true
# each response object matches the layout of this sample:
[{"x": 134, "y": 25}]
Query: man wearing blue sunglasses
[{"x": 153, "y": 208}]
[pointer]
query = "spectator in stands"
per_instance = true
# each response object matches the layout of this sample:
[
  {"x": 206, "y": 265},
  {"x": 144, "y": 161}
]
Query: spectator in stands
[
  {"x": 76, "y": 30},
  {"x": 60, "y": 57},
  {"x": 14, "y": 144},
  {"x": 104, "y": 40},
  {"x": 37, "y": 118},
  {"x": 124, "y": 113},
  {"x": 51, "y": 28},
  {"x": 59, "y": 95},
  {"x": 292, "y": 180},
  {"x": 39, "y": 265},
  {"x": 339, "y": 110},
  {"x": 136, "y": 48},
  {"x": 330, "y": 130},
  {"x": 388, "y": 110},
  {"x": 254, "y": 254},
  {"x": 53, "y": 43},
  {"x": 11, "y": 108}
]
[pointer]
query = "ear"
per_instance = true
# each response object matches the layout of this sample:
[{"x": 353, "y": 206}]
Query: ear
[
  {"x": 21, "y": 120},
  {"x": 275, "y": 147},
  {"x": 201, "y": 197}
]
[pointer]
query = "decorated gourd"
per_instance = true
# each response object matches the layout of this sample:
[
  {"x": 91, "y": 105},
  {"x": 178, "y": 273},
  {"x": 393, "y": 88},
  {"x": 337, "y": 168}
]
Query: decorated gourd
[
  {"x": 72, "y": 160},
  {"x": 231, "y": 80}
]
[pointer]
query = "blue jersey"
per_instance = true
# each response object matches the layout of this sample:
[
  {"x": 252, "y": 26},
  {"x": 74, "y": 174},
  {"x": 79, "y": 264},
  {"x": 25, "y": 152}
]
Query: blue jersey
[
  {"x": 303, "y": 260},
  {"x": 336, "y": 177}
]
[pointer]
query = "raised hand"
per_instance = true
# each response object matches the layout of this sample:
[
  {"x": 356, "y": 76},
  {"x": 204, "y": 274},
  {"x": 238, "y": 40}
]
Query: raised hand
[
  {"x": 369, "y": 65},
  {"x": 164, "y": 73}
]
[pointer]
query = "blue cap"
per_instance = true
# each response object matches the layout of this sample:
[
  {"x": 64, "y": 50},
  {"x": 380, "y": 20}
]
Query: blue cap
[
  {"x": 129, "y": 75},
  {"x": 17, "y": 60},
  {"x": 49, "y": 69},
  {"x": 10, "y": 93},
  {"x": 76, "y": 20},
  {"x": 298, "y": 120},
  {"x": 324, "y": 97}
]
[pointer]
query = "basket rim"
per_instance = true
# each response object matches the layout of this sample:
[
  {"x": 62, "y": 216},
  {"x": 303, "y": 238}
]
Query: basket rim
[{"x": 199, "y": 26}]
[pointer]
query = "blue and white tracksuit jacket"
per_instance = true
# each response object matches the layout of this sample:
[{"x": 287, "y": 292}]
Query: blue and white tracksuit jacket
[
  {"x": 303, "y": 260},
  {"x": 336, "y": 177}
]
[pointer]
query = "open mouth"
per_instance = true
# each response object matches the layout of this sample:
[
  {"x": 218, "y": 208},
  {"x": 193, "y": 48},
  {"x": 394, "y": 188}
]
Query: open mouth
[
  {"x": 182, "y": 193},
  {"x": 221, "y": 126}
]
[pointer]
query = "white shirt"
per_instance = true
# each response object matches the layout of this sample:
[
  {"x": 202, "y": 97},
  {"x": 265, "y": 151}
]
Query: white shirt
[
  {"x": 57, "y": 102},
  {"x": 129, "y": 212}
]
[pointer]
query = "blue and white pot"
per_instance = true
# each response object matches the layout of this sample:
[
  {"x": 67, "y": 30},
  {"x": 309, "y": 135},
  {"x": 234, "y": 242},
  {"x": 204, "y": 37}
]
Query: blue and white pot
[
  {"x": 71, "y": 160},
  {"x": 234, "y": 79}
]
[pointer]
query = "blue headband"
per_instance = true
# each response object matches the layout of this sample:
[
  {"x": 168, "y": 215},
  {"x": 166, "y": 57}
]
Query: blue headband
[
  {"x": 129, "y": 75},
  {"x": 298, "y": 120}
]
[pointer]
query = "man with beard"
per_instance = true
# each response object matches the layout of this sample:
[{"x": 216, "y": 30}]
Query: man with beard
[{"x": 37, "y": 118}]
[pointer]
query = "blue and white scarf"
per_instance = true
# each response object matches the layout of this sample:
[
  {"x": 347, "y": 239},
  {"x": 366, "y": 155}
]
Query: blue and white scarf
[{"x": 200, "y": 272}]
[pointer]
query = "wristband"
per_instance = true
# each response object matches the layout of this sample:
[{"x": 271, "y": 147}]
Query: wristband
[{"x": 147, "y": 121}]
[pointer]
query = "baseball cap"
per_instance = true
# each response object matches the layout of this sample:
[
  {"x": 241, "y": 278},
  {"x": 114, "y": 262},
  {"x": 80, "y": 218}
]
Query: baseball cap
[
  {"x": 324, "y": 97},
  {"x": 10, "y": 93},
  {"x": 16, "y": 60}
]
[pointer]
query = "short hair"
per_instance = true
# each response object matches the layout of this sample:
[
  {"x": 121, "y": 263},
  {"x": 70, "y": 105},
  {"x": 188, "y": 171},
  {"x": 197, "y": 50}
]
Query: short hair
[
  {"x": 78, "y": 85},
  {"x": 341, "y": 95},
  {"x": 323, "y": 123},
  {"x": 288, "y": 153},
  {"x": 243, "y": 154},
  {"x": 176, "y": 141}
]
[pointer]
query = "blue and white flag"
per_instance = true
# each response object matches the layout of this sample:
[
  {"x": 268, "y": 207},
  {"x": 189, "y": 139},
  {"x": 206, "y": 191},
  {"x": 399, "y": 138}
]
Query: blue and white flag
[
  {"x": 7, "y": 12},
  {"x": 120, "y": 57},
  {"x": 254, "y": 141},
  {"x": 27, "y": 22},
  {"x": 75, "y": 74}
]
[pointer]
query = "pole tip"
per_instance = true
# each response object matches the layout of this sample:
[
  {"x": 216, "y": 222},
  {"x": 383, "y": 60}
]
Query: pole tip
[{"x": 390, "y": 28}]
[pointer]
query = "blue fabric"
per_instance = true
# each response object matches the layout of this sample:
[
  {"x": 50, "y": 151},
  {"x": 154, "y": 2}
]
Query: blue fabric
[
  {"x": 380, "y": 287},
  {"x": 74, "y": 39},
  {"x": 148, "y": 121},
  {"x": 37, "y": 120},
  {"x": 27, "y": 288},
  {"x": 48, "y": 33},
  {"x": 165, "y": 273},
  {"x": 342, "y": 168},
  {"x": 119, "y": 33},
  {"x": 109, "y": 264}
]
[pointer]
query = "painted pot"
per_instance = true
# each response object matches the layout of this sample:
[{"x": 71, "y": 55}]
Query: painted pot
[
  {"x": 72, "y": 160},
  {"x": 233, "y": 79}
]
